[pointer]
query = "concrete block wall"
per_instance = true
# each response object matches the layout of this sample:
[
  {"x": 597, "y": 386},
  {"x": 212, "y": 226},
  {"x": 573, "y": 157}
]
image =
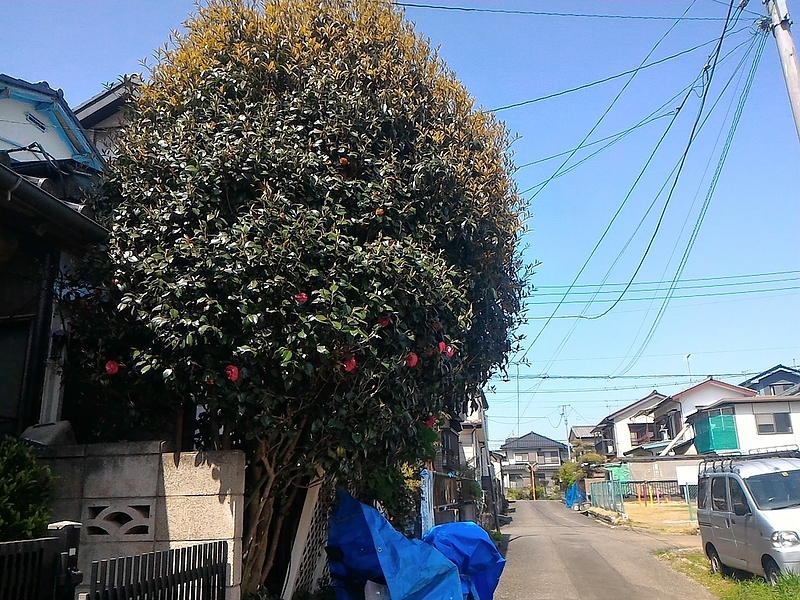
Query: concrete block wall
[{"x": 138, "y": 497}]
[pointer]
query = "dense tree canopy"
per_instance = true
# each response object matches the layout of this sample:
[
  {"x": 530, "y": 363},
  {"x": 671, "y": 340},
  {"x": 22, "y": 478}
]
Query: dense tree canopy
[{"x": 314, "y": 247}]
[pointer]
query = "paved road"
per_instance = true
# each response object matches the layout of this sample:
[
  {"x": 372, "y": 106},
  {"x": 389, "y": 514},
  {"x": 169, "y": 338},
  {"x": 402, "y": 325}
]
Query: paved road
[{"x": 558, "y": 554}]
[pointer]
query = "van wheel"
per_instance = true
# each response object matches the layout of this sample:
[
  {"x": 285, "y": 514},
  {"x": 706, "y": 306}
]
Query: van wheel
[
  {"x": 716, "y": 564},
  {"x": 771, "y": 571}
]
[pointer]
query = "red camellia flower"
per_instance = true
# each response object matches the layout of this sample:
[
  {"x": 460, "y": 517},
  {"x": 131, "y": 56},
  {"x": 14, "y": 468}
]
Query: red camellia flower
[
  {"x": 232, "y": 373},
  {"x": 384, "y": 322},
  {"x": 112, "y": 367},
  {"x": 412, "y": 359},
  {"x": 449, "y": 351},
  {"x": 301, "y": 297},
  {"x": 431, "y": 421},
  {"x": 442, "y": 346},
  {"x": 350, "y": 364}
]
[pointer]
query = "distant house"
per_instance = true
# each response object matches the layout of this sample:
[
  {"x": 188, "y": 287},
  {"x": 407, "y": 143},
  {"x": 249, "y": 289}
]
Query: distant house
[
  {"x": 747, "y": 424},
  {"x": 102, "y": 116},
  {"x": 532, "y": 458},
  {"x": 627, "y": 428},
  {"x": 582, "y": 438},
  {"x": 774, "y": 382},
  {"x": 46, "y": 166},
  {"x": 670, "y": 415}
]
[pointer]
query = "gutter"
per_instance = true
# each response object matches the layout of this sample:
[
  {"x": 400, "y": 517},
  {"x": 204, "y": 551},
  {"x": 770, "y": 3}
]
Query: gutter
[{"x": 56, "y": 212}]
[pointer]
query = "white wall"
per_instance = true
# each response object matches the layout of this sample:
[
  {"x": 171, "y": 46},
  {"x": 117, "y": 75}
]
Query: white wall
[
  {"x": 747, "y": 431},
  {"x": 19, "y": 132}
]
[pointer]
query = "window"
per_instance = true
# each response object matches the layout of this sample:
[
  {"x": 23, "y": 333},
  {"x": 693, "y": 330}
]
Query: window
[
  {"x": 702, "y": 493},
  {"x": 778, "y": 388},
  {"x": 550, "y": 458},
  {"x": 641, "y": 433},
  {"x": 774, "y": 423},
  {"x": 719, "y": 497},
  {"x": 737, "y": 494},
  {"x": 521, "y": 457}
]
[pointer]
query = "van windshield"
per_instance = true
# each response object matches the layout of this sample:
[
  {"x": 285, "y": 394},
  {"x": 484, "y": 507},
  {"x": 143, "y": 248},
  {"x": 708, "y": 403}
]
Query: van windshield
[{"x": 775, "y": 490}]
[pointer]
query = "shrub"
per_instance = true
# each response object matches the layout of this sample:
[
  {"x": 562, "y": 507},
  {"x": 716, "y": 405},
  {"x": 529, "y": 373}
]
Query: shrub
[{"x": 24, "y": 488}]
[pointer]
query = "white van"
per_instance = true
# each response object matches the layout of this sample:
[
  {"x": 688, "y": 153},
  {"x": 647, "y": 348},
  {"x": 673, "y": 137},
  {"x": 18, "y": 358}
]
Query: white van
[{"x": 748, "y": 508}]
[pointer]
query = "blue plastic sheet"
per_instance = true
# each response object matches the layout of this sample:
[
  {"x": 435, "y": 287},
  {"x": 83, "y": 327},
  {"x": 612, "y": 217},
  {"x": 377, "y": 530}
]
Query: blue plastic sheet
[
  {"x": 470, "y": 548},
  {"x": 574, "y": 495},
  {"x": 362, "y": 546}
]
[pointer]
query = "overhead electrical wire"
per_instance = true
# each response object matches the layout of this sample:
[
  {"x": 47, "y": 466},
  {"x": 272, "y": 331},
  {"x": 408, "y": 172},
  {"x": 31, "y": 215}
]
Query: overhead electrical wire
[
  {"x": 704, "y": 209},
  {"x": 641, "y": 67},
  {"x": 709, "y": 295},
  {"x": 538, "y": 13},
  {"x": 623, "y": 134},
  {"x": 622, "y": 205},
  {"x": 689, "y": 280}
]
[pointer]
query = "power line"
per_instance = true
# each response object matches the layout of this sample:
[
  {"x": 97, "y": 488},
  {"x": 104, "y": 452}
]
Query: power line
[
  {"x": 692, "y": 136},
  {"x": 583, "y": 141},
  {"x": 712, "y": 187},
  {"x": 536, "y": 13},
  {"x": 604, "y": 80},
  {"x": 656, "y": 297},
  {"x": 715, "y": 376},
  {"x": 690, "y": 280},
  {"x": 685, "y": 287}
]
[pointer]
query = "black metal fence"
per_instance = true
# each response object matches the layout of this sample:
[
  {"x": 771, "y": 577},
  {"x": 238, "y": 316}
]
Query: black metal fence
[
  {"x": 662, "y": 489},
  {"x": 191, "y": 573},
  {"x": 28, "y": 569}
]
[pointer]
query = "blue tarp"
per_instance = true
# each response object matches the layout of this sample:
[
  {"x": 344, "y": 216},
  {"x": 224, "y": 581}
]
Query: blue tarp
[
  {"x": 473, "y": 552},
  {"x": 363, "y": 546},
  {"x": 574, "y": 495}
]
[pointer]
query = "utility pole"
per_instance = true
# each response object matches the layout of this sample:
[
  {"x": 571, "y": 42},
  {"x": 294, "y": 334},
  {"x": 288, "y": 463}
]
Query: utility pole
[
  {"x": 566, "y": 429},
  {"x": 781, "y": 25}
]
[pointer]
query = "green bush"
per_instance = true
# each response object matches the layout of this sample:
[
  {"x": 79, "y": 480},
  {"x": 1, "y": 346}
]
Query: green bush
[{"x": 24, "y": 488}]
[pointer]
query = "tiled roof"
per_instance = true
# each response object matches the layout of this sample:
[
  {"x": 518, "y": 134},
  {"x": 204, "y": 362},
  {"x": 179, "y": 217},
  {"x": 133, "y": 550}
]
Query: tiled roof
[
  {"x": 531, "y": 440},
  {"x": 582, "y": 431}
]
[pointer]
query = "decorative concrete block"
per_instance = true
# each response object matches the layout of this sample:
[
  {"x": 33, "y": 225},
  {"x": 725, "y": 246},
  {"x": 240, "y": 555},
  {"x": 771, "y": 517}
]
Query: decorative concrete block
[
  {"x": 61, "y": 451},
  {"x": 199, "y": 518},
  {"x": 121, "y": 476},
  {"x": 202, "y": 473},
  {"x": 118, "y": 519}
]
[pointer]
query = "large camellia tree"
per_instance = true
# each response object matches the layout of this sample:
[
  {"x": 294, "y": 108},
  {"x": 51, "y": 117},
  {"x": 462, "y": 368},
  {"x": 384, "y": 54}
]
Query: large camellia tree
[{"x": 313, "y": 251}]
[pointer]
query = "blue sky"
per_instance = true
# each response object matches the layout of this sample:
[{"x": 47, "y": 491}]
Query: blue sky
[{"x": 750, "y": 227}]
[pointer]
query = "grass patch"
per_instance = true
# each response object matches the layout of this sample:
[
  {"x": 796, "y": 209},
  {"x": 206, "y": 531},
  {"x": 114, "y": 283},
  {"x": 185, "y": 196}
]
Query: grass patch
[{"x": 741, "y": 586}]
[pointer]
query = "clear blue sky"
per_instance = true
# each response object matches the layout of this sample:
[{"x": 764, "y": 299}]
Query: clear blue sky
[{"x": 750, "y": 227}]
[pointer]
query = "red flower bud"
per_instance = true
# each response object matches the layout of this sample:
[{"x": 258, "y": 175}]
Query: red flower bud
[
  {"x": 343, "y": 161},
  {"x": 436, "y": 326},
  {"x": 431, "y": 421},
  {"x": 350, "y": 364},
  {"x": 384, "y": 322},
  {"x": 232, "y": 373},
  {"x": 301, "y": 297},
  {"x": 412, "y": 359},
  {"x": 112, "y": 367},
  {"x": 442, "y": 346}
]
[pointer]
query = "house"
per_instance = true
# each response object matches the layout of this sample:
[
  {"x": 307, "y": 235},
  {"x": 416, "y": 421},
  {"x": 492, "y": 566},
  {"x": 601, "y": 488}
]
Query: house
[
  {"x": 775, "y": 381},
  {"x": 747, "y": 424},
  {"x": 46, "y": 166},
  {"x": 627, "y": 428},
  {"x": 670, "y": 415},
  {"x": 532, "y": 458},
  {"x": 101, "y": 116},
  {"x": 582, "y": 439}
]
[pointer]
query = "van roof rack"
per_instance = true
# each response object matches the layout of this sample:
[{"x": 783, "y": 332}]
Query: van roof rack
[{"x": 725, "y": 462}]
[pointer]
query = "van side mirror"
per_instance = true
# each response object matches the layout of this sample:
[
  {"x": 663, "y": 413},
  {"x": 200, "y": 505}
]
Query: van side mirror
[{"x": 741, "y": 509}]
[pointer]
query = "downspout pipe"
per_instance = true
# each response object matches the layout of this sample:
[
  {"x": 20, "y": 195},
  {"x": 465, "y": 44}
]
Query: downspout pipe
[{"x": 51, "y": 208}]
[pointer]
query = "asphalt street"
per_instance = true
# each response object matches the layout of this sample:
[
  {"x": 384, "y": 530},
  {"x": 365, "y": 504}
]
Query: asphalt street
[{"x": 558, "y": 554}]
